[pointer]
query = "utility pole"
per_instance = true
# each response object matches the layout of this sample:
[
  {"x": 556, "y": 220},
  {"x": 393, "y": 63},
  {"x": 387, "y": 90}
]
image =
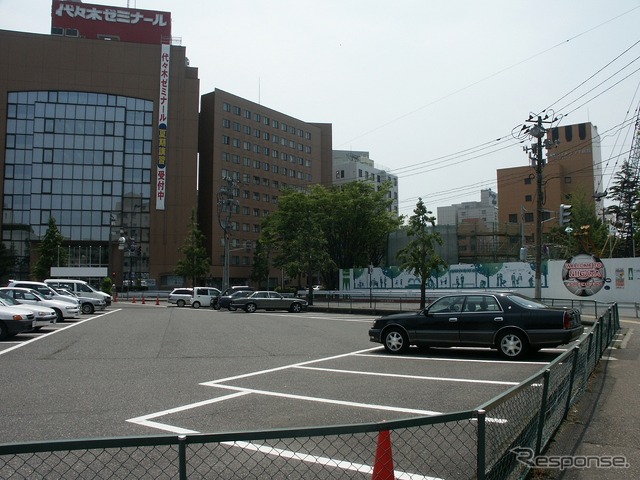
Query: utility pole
[{"x": 538, "y": 132}]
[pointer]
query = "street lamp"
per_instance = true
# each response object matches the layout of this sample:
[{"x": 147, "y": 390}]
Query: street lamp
[{"x": 122, "y": 243}]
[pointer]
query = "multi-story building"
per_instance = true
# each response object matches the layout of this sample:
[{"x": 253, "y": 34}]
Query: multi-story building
[
  {"x": 101, "y": 133},
  {"x": 485, "y": 211},
  {"x": 249, "y": 154},
  {"x": 349, "y": 166},
  {"x": 573, "y": 164}
]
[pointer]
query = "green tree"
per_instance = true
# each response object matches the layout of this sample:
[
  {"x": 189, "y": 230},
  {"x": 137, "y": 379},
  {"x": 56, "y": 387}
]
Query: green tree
[
  {"x": 586, "y": 234},
  {"x": 625, "y": 192},
  {"x": 419, "y": 256},
  {"x": 294, "y": 235},
  {"x": 194, "y": 264},
  {"x": 7, "y": 260},
  {"x": 357, "y": 222},
  {"x": 260, "y": 268},
  {"x": 50, "y": 252}
]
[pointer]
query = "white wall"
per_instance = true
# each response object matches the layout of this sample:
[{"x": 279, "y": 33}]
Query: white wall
[{"x": 584, "y": 276}]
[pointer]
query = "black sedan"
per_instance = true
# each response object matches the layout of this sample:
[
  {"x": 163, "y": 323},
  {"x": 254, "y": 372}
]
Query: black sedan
[{"x": 512, "y": 323}]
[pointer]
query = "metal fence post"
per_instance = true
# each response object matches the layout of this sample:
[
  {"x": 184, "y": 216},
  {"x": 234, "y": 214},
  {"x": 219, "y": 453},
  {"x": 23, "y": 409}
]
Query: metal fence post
[
  {"x": 587, "y": 369},
  {"x": 574, "y": 366},
  {"x": 543, "y": 410},
  {"x": 182, "y": 456},
  {"x": 482, "y": 445}
]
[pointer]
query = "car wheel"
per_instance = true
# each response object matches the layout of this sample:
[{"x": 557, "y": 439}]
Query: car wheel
[
  {"x": 59, "y": 316},
  {"x": 513, "y": 345},
  {"x": 180, "y": 303},
  {"x": 396, "y": 341},
  {"x": 87, "y": 308},
  {"x": 296, "y": 307},
  {"x": 216, "y": 306},
  {"x": 195, "y": 304},
  {"x": 250, "y": 307}
]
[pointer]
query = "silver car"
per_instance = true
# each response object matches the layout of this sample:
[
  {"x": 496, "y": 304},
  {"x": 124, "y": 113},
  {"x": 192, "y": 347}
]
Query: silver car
[
  {"x": 268, "y": 300},
  {"x": 88, "y": 305}
]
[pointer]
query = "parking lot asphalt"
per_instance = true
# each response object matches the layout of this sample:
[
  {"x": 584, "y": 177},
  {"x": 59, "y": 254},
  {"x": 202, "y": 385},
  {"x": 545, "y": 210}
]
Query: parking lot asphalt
[{"x": 603, "y": 425}]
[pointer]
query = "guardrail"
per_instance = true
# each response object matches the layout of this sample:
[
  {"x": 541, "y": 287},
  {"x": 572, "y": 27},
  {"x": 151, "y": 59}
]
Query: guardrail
[{"x": 493, "y": 441}]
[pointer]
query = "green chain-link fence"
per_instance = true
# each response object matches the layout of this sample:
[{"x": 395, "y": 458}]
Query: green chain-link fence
[{"x": 481, "y": 443}]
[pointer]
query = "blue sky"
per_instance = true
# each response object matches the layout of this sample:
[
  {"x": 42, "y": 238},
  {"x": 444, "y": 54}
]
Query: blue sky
[{"x": 433, "y": 90}]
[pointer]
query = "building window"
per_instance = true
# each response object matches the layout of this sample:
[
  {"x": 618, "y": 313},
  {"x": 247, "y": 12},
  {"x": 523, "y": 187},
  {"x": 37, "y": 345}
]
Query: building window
[
  {"x": 528, "y": 198},
  {"x": 527, "y": 181},
  {"x": 528, "y": 217},
  {"x": 567, "y": 179},
  {"x": 513, "y": 218},
  {"x": 226, "y": 107}
]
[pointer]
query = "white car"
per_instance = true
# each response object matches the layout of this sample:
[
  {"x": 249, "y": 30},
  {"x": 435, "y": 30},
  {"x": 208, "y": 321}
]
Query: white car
[
  {"x": 31, "y": 297},
  {"x": 43, "y": 290},
  {"x": 14, "y": 321},
  {"x": 44, "y": 316}
]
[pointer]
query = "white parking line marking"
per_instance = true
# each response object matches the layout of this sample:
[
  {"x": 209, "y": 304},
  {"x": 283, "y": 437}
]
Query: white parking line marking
[
  {"x": 440, "y": 359},
  {"x": 413, "y": 377},
  {"x": 144, "y": 420},
  {"x": 44, "y": 335},
  {"x": 284, "y": 367},
  {"x": 325, "y": 461},
  {"x": 328, "y": 400}
]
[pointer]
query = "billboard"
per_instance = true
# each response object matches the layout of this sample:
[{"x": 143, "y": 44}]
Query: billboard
[{"x": 74, "y": 18}]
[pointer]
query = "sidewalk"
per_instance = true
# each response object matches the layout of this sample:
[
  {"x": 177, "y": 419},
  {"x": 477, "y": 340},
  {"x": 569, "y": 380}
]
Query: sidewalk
[{"x": 605, "y": 421}]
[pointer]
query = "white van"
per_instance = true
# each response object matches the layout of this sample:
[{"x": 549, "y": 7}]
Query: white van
[{"x": 79, "y": 287}]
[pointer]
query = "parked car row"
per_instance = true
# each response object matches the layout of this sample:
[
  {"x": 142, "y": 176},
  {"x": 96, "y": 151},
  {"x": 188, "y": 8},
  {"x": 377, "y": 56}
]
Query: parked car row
[
  {"x": 235, "y": 297},
  {"x": 196, "y": 297},
  {"x": 28, "y": 306}
]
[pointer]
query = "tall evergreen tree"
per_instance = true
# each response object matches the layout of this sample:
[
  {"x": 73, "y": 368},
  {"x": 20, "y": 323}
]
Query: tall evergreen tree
[
  {"x": 50, "y": 252},
  {"x": 195, "y": 264},
  {"x": 419, "y": 255},
  {"x": 625, "y": 191}
]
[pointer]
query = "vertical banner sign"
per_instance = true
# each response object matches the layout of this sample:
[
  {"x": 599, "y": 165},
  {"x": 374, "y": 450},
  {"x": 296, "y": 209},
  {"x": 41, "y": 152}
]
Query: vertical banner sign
[{"x": 163, "y": 121}]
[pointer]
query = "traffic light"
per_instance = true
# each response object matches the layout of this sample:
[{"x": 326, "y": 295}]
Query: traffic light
[{"x": 565, "y": 214}]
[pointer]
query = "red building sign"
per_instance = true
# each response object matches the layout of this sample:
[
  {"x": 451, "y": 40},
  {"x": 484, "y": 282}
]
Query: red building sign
[{"x": 74, "y": 18}]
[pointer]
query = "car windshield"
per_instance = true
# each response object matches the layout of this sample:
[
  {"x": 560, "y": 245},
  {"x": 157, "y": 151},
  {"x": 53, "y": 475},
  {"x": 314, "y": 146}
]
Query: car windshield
[
  {"x": 526, "y": 302},
  {"x": 8, "y": 299}
]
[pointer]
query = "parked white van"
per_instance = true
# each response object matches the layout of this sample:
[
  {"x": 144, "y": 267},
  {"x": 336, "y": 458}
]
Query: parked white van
[{"x": 79, "y": 287}]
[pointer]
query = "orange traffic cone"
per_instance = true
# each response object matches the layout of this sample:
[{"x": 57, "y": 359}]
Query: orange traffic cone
[
  {"x": 143, "y": 302},
  {"x": 383, "y": 466},
  {"x": 157, "y": 300},
  {"x": 133, "y": 300}
]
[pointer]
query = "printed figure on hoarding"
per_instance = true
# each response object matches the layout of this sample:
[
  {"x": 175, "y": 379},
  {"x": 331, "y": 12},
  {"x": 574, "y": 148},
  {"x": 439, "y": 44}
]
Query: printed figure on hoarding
[{"x": 584, "y": 275}]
